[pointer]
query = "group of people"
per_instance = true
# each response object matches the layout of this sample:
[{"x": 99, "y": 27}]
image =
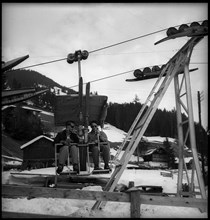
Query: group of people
[{"x": 70, "y": 137}]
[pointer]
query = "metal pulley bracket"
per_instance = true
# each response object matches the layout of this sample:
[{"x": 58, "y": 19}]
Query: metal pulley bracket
[{"x": 77, "y": 55}]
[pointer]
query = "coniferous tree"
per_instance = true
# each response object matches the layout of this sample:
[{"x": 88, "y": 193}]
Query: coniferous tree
[
  {"x": 170, "y": 152},
  {"x": 27, "y": 125}
]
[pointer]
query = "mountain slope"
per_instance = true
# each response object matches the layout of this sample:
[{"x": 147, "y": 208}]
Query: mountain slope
[{"x": 30, "y": 78}]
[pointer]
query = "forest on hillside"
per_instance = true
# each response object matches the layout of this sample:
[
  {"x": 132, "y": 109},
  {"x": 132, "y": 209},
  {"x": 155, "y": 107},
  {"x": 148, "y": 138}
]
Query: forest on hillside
[
  {"x": 162, "y": 124},
  {"x": 16, "y": 79}
]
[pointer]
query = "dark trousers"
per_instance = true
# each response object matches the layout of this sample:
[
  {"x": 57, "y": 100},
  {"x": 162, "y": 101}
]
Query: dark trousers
[
  {"x": 64, "y": 153},
  {"x": 104, "y": 149}
]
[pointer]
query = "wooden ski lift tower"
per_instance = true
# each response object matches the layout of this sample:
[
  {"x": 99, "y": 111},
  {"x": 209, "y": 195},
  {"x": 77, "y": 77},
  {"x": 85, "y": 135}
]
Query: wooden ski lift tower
[{"x": 179, "y": 62}]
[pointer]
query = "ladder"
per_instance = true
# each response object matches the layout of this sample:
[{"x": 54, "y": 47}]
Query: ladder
[{"x": 176, "y": 64}]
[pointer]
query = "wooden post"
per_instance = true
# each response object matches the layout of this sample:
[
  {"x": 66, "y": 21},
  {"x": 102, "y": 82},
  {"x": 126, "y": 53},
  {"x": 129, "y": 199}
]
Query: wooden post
[
  {"x": 135, "y": 202},
  {"x": 56, "y": 178},
  {"x": 138, "y": 154}
]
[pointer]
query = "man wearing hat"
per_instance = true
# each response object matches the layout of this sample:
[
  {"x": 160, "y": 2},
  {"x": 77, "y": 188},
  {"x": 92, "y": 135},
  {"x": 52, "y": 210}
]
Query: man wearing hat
[
  {"x": 94, "y": 138},
  {"x": 68, "y": 138}
]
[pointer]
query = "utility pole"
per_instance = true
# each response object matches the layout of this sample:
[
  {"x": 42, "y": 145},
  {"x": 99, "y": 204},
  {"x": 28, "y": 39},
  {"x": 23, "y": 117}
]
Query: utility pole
[{"x": 201, "y": 140}]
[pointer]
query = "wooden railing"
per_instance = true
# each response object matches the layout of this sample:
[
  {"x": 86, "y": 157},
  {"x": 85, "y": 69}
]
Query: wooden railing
[{"x": 133, "y": 196}]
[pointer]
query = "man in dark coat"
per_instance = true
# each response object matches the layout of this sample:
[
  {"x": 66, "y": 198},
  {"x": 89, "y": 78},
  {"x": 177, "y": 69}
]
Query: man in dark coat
[{"x": 68, "y": 138}]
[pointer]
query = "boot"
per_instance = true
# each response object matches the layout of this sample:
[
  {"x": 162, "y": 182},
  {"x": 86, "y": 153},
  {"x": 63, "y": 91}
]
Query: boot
[
  {"x": 59, "y": 169},
  {"x": 76, "y": 167},
  {"x": 107, "y": 167},
  {"x": 96, "y": 167}
]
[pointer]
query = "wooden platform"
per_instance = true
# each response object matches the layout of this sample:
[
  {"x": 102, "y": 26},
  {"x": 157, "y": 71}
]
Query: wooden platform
[{"x": 63, "y": 181}]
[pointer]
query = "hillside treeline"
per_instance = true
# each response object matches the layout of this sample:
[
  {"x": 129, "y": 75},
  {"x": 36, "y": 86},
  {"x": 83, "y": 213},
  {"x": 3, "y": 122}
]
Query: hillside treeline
[
  {"x": 16, "y": 79},
  {"x": 162, "y": 124}
]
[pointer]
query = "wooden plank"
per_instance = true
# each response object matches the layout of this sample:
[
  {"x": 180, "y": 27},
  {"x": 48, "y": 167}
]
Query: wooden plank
[
  {"x": 174, "y": 201},
  {"x": 28, "y": 191},
  {"x": 25, "y": 191},
  {"x": 31, "y": 174},
  {"x": 12, "y": 63},
  {"x": 5, "y": 214},
  {"x": 166, "y": 173}
]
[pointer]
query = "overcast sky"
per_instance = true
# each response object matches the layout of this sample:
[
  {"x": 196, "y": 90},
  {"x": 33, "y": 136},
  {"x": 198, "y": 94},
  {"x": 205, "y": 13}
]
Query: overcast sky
[{"x": 50, "y": 31}]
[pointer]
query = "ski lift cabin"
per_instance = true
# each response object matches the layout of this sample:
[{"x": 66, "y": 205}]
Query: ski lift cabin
[{"x": 67, "y": 108}]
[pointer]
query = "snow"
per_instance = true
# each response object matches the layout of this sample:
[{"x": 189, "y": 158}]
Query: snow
[
  {"x": 7, "y": 106},
  {"x": 158, "y": 139},
  {"x": 82, "y": 208},
  {"x": 47, "y": 113},
  {"x": 34, "y": 140},
  {"x": 114, "y": 134},
  {"x": 58, "y": 91}
]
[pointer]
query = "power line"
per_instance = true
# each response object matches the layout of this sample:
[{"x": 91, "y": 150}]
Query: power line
[
  {"x": 114, "y": 75},
  {"x": 127, "y": 40},
  {"x": 103, "y": 78},
  {"x": 107, "y": 77},
  {"x": 122, "y": 42},
  {"x": 199, "y": 63},
  {"x": 42, "y": 63},
  {"x": 112, "y": 45}
]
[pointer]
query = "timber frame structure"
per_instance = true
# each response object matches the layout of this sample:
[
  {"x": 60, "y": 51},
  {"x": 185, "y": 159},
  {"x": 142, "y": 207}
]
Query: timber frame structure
[{"x": 176, "y": 64}]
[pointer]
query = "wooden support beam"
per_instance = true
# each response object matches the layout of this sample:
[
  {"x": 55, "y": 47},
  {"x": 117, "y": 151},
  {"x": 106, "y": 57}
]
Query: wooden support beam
[
  {"x": 175, "y": 201},
  {"x": 135, "y": 202},
  {"x": 29, "y": 191},
  {"x": 28, "y": 215},
  {"x": 33, "y": 192}
]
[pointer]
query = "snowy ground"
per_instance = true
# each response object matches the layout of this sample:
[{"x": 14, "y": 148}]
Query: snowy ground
[{"x": 82, "y": 208}]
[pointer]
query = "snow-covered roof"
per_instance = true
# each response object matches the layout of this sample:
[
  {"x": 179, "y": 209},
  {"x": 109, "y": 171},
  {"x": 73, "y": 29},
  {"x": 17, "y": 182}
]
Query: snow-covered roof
[
  {"x": 34, "y": 140},
  {"x": 24, "y": 107},
  {"x": 8, "y": 106},
  {"x": 186, "y": 159},
  {"x": 11, "y": 158},
  {"x": 47, "y": 113},
  {"x": 114, "y": 134},
  {"x": 32, "y": 109},
  {"x": 158, "y": 139}
]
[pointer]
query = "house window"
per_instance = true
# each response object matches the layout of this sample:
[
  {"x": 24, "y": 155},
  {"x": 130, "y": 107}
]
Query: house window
[{"x": 159, "y": 157}]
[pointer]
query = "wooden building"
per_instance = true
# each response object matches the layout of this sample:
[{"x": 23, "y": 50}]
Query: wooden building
[
  {"x": 158, "y": 156},
  {"x": 12, "y": 115},
  {"x": 38, "y": 153}
]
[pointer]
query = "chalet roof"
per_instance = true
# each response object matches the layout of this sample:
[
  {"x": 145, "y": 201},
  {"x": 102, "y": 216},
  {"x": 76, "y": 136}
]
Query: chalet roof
[
  {"x": 12, "y": 158},
  {"x": 24, "y": 107},
  {"x": 32, "y": 109},
  {"x": 15, "y": 96},
  {"x": 7, "y": 93},
  {"x": 12, "y": 63},
  {"x": 7, "y": 106},
  {"x": 34, "y": 140}
]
